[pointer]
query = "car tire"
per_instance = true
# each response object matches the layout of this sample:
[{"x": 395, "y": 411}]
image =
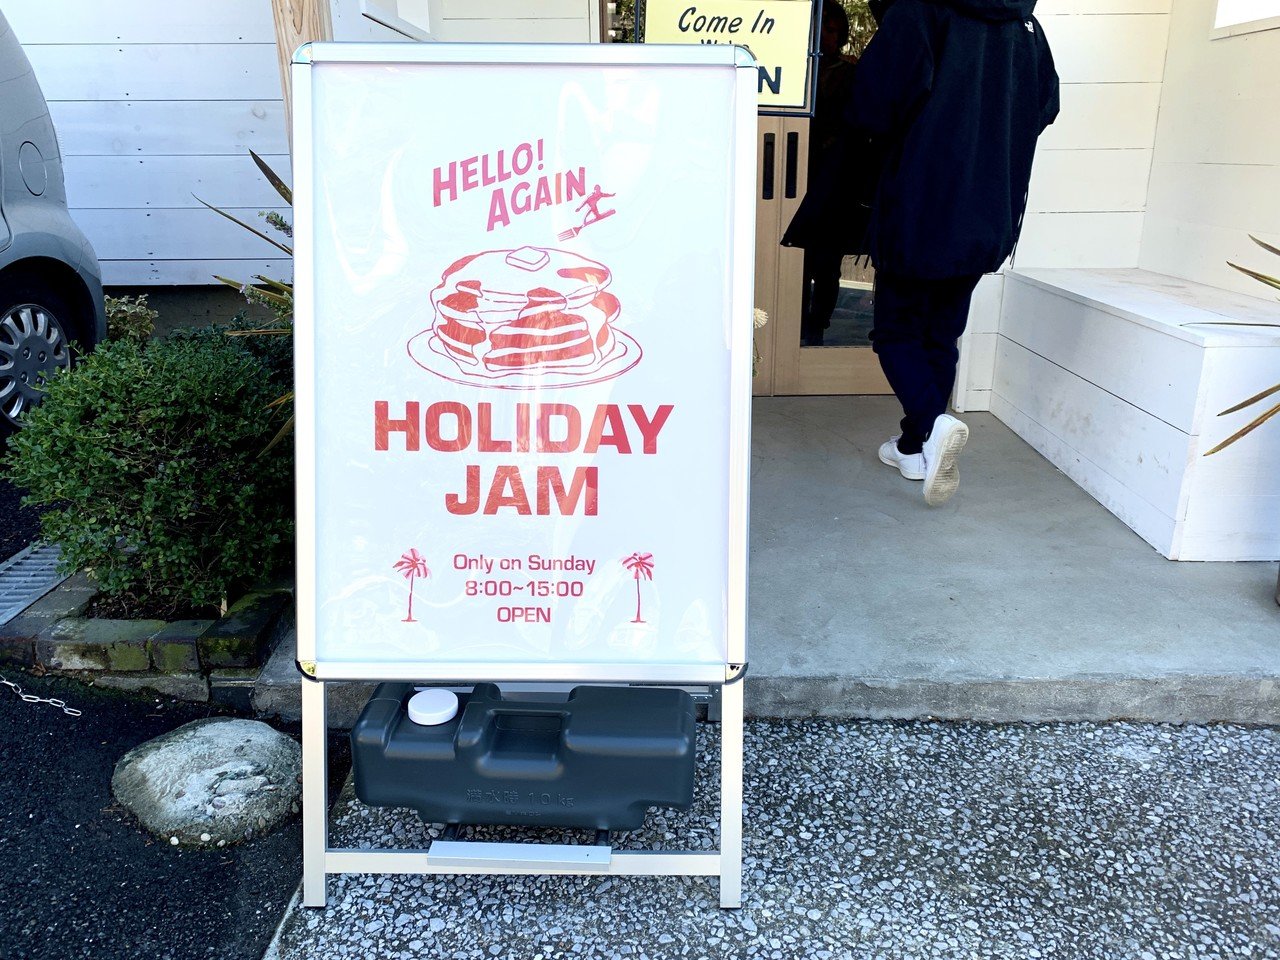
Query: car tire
[{"x": 36, "y": 326}]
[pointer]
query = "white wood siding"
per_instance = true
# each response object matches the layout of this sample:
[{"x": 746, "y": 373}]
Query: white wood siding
[
  {"x": 157, "y": 103},
  {"x": 89, "y": 128},
  {"x": 978, "y": 346},
  {"x": 1216, "y": 174},
  {"x": 544, "y": 21},
  {"x": 139, "y": 21},
  {"x": 1117, "y": 377},
  {"x": 1089, "y": 184}
]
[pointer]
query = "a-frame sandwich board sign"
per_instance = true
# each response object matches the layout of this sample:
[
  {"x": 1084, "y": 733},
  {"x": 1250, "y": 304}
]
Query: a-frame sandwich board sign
[{"x": 523, "y": 279}]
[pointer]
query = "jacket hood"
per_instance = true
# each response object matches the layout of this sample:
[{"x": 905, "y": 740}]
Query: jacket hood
[{"x": 994, "y": 10}]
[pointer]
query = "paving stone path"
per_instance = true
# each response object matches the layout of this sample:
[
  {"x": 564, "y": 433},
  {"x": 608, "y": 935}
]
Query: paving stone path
[{"x": 884, "y": 840}]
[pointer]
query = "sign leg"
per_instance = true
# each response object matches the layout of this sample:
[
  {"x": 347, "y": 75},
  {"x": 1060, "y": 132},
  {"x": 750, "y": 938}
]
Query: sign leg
[
  {"x": 731, "y": 795},
  {"x": 315, "y": 790}
]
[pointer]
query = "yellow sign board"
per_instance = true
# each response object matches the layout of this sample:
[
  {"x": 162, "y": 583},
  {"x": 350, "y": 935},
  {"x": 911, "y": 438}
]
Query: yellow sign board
[{"x": 777, "y": 32}]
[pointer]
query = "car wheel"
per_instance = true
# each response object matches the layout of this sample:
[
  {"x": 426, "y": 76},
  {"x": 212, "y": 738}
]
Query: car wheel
[{"x": 34, "y": 325}]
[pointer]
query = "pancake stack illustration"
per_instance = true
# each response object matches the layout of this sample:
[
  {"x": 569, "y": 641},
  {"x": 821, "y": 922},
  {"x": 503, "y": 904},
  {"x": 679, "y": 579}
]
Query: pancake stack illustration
[{"x": 528, "y": 310}]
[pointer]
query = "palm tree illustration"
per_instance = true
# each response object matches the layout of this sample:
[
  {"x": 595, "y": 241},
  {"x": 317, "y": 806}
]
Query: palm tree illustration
[
  {"x": 412, "y": 565},
  {"x": 640, "y": 565}
]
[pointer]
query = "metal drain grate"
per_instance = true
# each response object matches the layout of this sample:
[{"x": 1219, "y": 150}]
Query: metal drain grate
[{"x": 26, "y": 577}]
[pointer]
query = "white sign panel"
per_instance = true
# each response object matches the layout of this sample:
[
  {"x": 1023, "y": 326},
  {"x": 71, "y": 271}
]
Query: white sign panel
[{"x": 524, "y": 328}]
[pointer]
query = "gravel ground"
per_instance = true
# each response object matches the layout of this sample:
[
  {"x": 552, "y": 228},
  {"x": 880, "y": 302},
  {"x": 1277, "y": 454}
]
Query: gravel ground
[
  {"x": 884, "y": 840},
  {"x": 80, "y": 879}
]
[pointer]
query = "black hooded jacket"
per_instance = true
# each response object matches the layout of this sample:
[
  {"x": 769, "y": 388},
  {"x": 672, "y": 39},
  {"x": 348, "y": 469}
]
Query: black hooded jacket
[{"x": 954, "y": 93}]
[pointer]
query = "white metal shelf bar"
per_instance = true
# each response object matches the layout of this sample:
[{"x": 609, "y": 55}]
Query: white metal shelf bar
[{"x": 649, "y": 863}]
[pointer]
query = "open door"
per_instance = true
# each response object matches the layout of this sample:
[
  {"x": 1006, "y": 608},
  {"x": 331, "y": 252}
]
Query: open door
[{"x": 844, "y": 362}]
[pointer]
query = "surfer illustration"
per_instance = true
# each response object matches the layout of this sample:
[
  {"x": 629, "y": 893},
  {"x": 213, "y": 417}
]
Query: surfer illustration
[
  {"x": 593, "y": 215},
  {"x": 593, "y": 201}
]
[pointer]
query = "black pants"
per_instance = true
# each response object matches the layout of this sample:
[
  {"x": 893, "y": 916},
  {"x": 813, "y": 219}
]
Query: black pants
[{"x": 916, "y": 326}]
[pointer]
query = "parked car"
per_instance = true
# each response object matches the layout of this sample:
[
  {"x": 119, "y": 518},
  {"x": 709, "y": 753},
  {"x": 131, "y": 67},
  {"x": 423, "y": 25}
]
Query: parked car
[{"x": 50, "y": 283}]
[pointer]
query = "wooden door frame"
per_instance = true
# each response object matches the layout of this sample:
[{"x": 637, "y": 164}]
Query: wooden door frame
[
  {"x": 297, "y": 22},
  {"x": 795, "y": 369},
  {"x": 767, "y": 250}
]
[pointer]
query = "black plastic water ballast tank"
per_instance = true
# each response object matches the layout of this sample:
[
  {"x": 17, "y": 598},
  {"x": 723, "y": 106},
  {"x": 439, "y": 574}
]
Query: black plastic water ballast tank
[{"x": 597, "y": 760}]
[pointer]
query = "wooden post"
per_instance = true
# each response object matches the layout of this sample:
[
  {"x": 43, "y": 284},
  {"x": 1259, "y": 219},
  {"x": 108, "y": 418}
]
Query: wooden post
[{"x": 297, "y": 22}]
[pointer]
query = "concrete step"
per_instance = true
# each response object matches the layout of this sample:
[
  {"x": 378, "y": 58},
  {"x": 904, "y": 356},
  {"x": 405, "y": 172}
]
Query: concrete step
[{"x": 1184, "y": 698}]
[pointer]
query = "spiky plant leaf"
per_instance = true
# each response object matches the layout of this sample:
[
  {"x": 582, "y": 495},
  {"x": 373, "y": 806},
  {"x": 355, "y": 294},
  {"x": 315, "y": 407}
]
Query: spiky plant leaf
[
  {"x": 1269, "y": 281},
  {"x": 283, "y": 432},
  {"x": 1247, "y": 429},
  {"x": 1252, "y": 400},
  {"x": 1265, "y": 246},
  {"x": 254, "y": 230},
  {"x": 278, "y": 285},
  {"x": 273, "y": 178},
  {"x": 268, "y": 295}
]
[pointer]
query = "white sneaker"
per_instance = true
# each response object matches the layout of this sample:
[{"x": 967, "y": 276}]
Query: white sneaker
[
  {"x": 910, "y": 465},
  {"x": 941, "y": 453}
]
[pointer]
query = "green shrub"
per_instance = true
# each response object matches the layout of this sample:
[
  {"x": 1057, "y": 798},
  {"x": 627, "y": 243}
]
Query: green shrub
[
  {"x": 270, "y": 341},
  {"x": 151, "y": 458},
  {"x": 276, "y": 295},
  {"x": 129, "y": 318}
]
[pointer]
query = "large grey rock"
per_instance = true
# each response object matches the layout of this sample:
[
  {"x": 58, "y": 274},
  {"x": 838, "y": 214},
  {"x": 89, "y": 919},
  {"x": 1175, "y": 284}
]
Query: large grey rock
[{"x": 211, "y": 782}]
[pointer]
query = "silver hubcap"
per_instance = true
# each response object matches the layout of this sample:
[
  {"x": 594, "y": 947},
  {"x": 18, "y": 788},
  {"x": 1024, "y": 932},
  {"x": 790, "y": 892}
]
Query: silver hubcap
[{"x": 32, "y": 347}]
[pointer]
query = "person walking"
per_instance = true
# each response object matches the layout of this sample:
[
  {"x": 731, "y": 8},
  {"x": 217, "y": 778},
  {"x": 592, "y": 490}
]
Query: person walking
[{"x": 955, "y": 93}]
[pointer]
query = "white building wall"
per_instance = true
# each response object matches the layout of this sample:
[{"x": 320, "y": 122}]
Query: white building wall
[
  {"x": 498, "y": 21},
  {"x": 158, "y": 102},
  {"x": 1216, "y": 174},
  {"x": 1089, "y": 187},
  {"x": 1089, "y": 184},
  {"x": 155, "y": 101}
]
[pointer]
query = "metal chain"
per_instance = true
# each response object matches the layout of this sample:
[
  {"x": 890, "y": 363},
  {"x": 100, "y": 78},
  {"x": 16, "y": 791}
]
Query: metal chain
[{"x": 32, "y": 698}]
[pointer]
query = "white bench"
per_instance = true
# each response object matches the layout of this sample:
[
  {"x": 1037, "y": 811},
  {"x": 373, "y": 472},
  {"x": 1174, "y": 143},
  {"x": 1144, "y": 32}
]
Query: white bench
[{"x": 1118, "y": 377}]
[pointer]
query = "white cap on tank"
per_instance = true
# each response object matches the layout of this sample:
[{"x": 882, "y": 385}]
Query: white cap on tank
[{"x": 432, "y": 707}]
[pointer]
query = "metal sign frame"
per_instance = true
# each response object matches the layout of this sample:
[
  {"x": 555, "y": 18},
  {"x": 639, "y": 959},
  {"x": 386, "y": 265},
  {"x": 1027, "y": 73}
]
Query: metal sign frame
[{"x": 319, "y": 859}]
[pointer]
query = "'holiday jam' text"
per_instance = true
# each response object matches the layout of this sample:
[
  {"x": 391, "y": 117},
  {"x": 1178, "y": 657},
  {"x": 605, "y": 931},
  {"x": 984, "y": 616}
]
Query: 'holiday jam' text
[{"x": 539, "y": 428}]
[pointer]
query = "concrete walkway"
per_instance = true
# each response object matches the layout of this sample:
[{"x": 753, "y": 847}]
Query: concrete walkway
[{"x": 1021, "y": 599}]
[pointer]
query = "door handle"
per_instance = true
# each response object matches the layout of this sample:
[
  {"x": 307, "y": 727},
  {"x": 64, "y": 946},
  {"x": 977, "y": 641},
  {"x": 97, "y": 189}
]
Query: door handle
[
  {"x": 793, "y": 164},
  {"x": 766, "y": 192}
]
